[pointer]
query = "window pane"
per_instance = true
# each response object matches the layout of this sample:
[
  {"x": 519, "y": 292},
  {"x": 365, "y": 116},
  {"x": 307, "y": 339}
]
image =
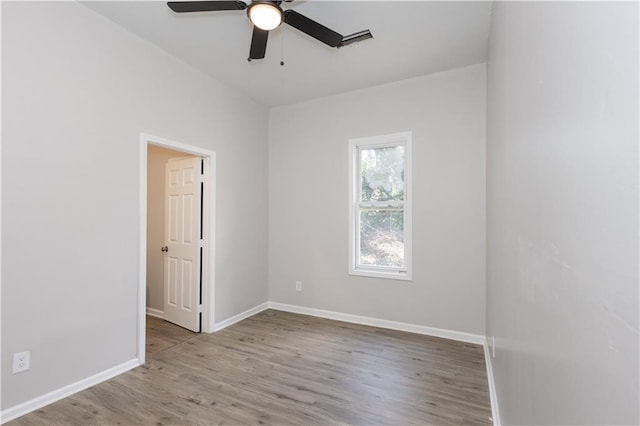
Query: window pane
[
  {"x": 382, "y": 173},
  {"x": 381, "y": 238}
]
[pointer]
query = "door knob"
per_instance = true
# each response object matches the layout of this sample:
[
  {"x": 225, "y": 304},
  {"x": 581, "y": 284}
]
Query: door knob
[{"x": 165, "y": 249}]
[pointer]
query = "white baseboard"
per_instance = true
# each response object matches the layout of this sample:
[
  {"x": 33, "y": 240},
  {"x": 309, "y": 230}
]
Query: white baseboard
[
  {"x": 495, "y": 412},
  {"x": 239, "y": 317},
  {"x": 375, "y": 322},
  {"x": 56, "y": 395},
  {"x": 155, "y": 313}
]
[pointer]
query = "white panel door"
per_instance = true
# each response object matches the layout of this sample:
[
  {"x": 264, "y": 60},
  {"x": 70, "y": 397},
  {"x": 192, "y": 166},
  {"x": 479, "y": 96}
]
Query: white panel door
[{"x": 182, "y": 242}]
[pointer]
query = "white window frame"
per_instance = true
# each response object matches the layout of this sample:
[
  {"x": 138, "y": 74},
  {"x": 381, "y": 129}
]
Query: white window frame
[{"x": 381, "y": 141}]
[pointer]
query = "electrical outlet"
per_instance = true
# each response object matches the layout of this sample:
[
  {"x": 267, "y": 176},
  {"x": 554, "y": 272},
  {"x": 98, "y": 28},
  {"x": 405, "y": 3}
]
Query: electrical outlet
[
  {"x": 298, "y": 285},
  {"x": 493, "y": 346},
  {"x": 21, "y": 362}
]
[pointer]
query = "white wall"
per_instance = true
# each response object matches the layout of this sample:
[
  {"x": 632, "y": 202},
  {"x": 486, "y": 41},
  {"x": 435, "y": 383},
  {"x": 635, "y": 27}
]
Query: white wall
[
  {"x": 308, "y": 208},
  {"x": 157, "y": 158},
  {"x": 562, "y": 233},
  {"x": 77, "y": 92}
]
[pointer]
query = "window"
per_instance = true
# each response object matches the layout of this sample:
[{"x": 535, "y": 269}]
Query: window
[{"x": 380, "y": 206}]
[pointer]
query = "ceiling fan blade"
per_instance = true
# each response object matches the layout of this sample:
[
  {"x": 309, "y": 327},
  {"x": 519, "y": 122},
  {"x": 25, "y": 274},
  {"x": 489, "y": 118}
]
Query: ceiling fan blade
[
  {"x": 356, "y": 37},
  {"x": 258, "y": 43},
  {"x": 312, "y": 28},
  {"x": 205, "y": 6}
]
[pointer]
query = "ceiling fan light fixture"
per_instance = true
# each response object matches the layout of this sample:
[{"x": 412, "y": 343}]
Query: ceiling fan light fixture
[{"x": 266, "y": 16}]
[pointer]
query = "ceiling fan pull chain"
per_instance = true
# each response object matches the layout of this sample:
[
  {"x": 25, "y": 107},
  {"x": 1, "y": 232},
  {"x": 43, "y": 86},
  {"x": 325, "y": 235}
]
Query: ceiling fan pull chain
[{"x": 282, "y": 48}]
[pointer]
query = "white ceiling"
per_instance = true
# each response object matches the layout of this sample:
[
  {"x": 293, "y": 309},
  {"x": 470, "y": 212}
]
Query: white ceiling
[{"x": 411, "y": 38}]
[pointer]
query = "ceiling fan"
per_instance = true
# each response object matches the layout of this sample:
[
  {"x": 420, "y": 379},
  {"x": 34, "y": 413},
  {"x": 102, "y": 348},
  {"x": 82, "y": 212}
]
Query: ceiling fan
[{"x": 268, "y": 15}]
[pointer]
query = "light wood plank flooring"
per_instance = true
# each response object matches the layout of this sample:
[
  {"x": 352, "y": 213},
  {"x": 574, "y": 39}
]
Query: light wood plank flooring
[
  {"x": 287, "y": 369},
  {"x": 162, "y": 335}
]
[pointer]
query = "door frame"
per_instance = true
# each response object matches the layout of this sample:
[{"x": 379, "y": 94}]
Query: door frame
[{"x": 208, "y": 255}]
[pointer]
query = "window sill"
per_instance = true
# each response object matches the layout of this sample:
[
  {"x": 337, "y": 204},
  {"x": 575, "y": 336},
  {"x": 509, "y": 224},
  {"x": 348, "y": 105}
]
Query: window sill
[{"x": 392, "y": 275}]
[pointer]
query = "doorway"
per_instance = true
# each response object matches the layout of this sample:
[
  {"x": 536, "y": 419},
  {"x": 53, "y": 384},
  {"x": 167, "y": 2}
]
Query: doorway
[
  {"x": 155, "y": 262},
  {"x": 175, "y": 191}
]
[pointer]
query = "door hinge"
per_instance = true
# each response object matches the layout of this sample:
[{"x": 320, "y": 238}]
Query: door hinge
[
  {"x": 200, "y": 243},
  {"x": 201, "y": 178},
  {"x": 200, "y": 309}
]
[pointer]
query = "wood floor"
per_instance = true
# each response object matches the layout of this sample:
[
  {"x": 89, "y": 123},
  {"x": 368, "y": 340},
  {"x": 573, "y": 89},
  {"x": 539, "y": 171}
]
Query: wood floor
[
  {"x": 162, "y": 335},
  {"x": 287, "y": 369}
]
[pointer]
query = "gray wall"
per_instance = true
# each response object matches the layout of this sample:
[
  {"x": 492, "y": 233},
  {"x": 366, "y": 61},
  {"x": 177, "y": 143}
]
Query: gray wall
[
  {"x": 308, "y": 208},
  {"x": 157, "y": 158},
  {"x": 562, "y": 206},
  {"x": 77, "y": 90}
]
